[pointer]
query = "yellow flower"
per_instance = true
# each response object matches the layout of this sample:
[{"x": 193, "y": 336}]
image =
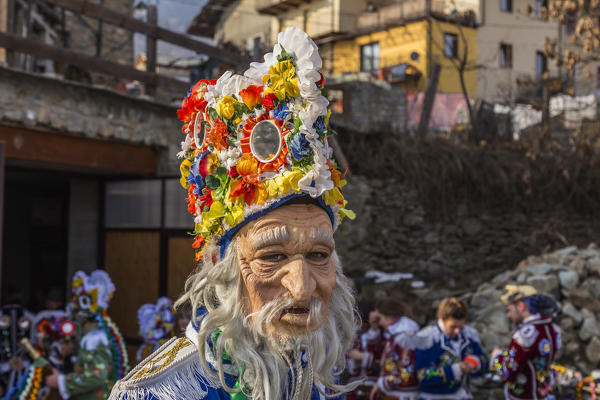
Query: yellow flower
[
  {"x": 225, "y": 107},
  {"x": 327, "y": 117},
  {"x": 283, "y": 184},
  {"x": 332, "y": 196},
  {"x": 94, "y": 300},
  {"x": 184, "y": 168},
  {"x": 283, "y": 80},
  {"x": 217, "y": 210},
  {"x": 235, "y": 215},
  {"x": 345, "y": 213}
]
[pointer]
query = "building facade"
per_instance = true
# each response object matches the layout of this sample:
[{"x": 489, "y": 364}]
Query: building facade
[{"x": 511, "y": 48}]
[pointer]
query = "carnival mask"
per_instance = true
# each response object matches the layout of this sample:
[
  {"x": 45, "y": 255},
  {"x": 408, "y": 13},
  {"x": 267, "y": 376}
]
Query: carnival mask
[{"x": 287, "y": 255}]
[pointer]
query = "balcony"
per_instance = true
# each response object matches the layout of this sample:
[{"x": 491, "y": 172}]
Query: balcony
[
  {"x": 277, "y": 7},
  {"x": 410, "y": 10}
]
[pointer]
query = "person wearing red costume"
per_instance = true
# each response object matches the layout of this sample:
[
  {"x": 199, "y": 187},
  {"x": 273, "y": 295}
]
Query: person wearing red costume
[
  {"x": 364, "y": 359},
  {"x": 525, "y": 365},
  {"x": 398, "y": 376}
]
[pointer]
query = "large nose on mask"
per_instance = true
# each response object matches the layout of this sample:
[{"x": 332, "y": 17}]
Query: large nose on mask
[{"x": 298, "y": 279}]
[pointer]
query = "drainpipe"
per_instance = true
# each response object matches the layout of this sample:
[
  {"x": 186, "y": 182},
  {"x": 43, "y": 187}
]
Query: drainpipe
[{"x": 429, "y": 37}]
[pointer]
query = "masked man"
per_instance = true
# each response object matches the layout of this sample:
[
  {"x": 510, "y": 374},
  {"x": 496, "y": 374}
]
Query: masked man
[
  {"x": 450, "y": 354},
  {"x": 525, "y": 365},
  {"x": 273, "y": 314},
  {"x": 101, "y": 358}
]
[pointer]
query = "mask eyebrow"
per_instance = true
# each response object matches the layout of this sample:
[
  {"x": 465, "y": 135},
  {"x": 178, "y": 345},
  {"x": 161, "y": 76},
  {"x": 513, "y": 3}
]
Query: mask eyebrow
[
  {"x": 322, "y": 236},
  {"x": 277, "y": 235}
]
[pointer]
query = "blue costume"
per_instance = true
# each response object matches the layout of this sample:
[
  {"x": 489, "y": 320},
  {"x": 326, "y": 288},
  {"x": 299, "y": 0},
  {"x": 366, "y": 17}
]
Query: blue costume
[
  {"x": 174, "y": 372},
  {"x": 438, "y": 357}
]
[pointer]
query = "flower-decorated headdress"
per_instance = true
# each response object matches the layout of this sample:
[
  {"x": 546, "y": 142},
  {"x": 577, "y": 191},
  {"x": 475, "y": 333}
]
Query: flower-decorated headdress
[
  {"x": 256, "y": 141},
  {"x": 52, "y": 326},
  {"x": 156, "y": 320},
  {"x": 92, "y": 293}
]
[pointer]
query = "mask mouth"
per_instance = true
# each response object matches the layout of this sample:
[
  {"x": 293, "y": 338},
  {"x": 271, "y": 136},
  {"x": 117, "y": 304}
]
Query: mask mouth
[{"x": 294, "y": 311}]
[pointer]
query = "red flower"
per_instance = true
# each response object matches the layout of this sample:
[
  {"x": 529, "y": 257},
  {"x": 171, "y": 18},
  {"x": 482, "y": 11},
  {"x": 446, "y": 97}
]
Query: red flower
[
  {"x": 198, "y": 242},
  {"x": 321, "y": 82},
  {"x": 241, "y": 187},
  {"x": 191, "y": 200},
  {"x": 233, "y": 172},
  {"x": 206, "y": 199},
  {"x": 251, "y": 95},
  {"x": 268, "y": 101},
  {"x": 217, "y": 135}
]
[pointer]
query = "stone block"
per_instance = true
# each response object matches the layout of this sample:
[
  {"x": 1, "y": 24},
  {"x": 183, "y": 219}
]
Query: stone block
[
  {"x": 589, "y": 329},
  {"x": 568, "y": 279},
  {"x": 543, "y": 283}
]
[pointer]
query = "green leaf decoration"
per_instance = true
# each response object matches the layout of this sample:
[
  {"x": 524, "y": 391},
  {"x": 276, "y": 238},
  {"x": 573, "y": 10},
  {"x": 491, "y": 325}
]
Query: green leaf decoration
[
  {"x": 213, "y": 113},
  {"x": 283, "y": 55},
  {"x": 304, "y": 164},
  {"x": 221, "y": 173},
  {"x": 297, "y": 125},
  {"x": 212, "y": 182}
]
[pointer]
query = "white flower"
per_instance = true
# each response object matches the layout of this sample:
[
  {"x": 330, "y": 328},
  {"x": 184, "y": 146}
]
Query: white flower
[
  {"x": 228, "y": 158},
  {"x": 186, "y": 145},
  {"x": 318, "y": 180},
  {"x": 198, "y": 219}
]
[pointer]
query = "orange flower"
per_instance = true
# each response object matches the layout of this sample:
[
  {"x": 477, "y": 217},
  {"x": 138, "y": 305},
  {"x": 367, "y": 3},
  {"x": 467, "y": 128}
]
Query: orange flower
[
  {"x": 198, "y": 242},
  {"x": 251, "y": 95},
  {"x": 217, "y": 135},
  {"x": 247, "y": 166},
  {"x": 191, "y": 200}
]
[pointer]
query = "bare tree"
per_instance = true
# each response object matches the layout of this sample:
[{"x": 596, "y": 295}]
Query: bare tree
[{"x": 462, "y": 65}]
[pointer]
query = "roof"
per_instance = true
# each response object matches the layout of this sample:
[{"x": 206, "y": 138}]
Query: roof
[{"x": 210, "y": 15}]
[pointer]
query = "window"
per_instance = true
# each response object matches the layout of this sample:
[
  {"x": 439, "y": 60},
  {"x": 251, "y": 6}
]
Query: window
[
  {"x": 541, "y": 9},
  {"x": 506, "y": 5},
  {"x": 450, "y": 45},
  {"x": 505, "y": 55},
  {"x": 571, "y": 23},
  {"x": 541, "y": 65},
  {"x": 369, "y": 57}
]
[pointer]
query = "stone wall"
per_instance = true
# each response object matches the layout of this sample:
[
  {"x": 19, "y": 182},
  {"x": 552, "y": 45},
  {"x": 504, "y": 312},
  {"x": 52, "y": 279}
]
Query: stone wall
[
  {"x": 61, "y": 106},
  {"x": 367, "y": 107},
  {"x": 570, "y": 275},
  {"x": 393, "y": 233}
]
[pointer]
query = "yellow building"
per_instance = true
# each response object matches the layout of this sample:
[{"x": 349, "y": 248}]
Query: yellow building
[{"x": 404, "y": 54}]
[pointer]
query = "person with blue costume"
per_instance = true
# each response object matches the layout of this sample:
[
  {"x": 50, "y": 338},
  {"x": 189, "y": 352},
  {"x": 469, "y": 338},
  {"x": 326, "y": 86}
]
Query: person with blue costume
[
  {"x": 273, "y": 314},
  {"x": 449, "y": 354}
]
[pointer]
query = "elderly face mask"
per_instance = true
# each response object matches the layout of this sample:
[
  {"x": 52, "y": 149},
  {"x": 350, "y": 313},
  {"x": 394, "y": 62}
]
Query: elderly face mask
[{"x": 287, "y": 268}]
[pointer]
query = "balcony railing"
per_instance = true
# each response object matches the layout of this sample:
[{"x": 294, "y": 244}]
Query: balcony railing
[
  {"x": 276, "y": 7},
  {"x": 409, "y": 10}
]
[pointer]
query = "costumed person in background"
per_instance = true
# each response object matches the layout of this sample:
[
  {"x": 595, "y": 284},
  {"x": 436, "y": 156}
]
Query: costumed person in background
[
  {"x": 398, "y": 373},
  {"x": 15, "y": 324},
  {"x": 273, "y": 316},
  {"x": 525, "y": 365},
  {"x": 101, "y": 357},
  {"x": 156, "y": 326},
  {"x": 450, "y": 354},
  {"x": 54, "y": 336},
  {"x": 364, "y": 359},
  {"x": 53, "y": 347}
]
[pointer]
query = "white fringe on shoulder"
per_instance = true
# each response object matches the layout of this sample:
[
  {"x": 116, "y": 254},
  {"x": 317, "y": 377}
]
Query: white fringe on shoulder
[{"x": 184, "y": 379}]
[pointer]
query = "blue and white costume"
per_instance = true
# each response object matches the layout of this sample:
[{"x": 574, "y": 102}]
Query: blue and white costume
[
  {"x": 438, "y": 359},
  {"x": 174, "y": 371}
]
